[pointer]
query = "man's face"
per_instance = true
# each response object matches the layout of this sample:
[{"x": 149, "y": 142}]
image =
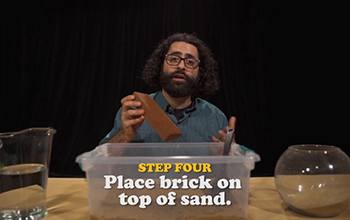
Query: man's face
[{"x": 180, "y": 81}]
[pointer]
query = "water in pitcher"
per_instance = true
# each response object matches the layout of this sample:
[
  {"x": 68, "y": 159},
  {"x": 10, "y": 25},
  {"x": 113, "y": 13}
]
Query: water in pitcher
[{"x": 22, "y": 188}]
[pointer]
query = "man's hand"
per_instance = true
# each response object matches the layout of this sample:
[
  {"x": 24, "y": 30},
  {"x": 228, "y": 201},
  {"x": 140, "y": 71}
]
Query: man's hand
[
  {"x": 222, "y": 134},
  {"x": 132, "y": 118}
]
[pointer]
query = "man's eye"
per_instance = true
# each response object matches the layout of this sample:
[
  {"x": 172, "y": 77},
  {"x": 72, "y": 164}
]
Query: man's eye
[
  {"x": 190, "y": 62},
  {"x": 174, "y": 59}
]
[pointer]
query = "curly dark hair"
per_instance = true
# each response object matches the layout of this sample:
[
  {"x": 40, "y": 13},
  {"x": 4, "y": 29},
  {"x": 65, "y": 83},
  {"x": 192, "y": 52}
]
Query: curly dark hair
[{"x": 208, "y": 81}]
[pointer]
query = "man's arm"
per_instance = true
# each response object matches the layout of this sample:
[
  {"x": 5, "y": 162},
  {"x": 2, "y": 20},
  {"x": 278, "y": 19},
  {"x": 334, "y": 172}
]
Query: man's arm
[
  {"x": 127, "y": 121},
  {"x": 120, "y": 138}
]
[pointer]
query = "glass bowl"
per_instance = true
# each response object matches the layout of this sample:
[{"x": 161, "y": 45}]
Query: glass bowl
[{"x": 314, "y": 180}]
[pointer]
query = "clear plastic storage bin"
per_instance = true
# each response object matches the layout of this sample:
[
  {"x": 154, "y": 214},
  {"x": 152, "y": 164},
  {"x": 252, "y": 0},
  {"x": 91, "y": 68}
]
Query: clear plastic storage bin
[{"x": 167, "y": 181}]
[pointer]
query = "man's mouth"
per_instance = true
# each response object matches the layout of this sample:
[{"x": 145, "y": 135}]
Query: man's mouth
[{"x": 179, "y": 77}]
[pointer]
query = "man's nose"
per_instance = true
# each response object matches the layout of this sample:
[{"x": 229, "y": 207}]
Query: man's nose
[{"x": 181, "y": 65}]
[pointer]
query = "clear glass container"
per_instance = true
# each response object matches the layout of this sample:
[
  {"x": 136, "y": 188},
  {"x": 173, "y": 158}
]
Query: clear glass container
[
  {"x": 314, "y": 180},
  {"x": 24, "y": 167}
]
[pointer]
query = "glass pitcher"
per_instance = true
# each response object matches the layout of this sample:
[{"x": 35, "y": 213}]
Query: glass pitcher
[{"x": 24, "y": 163}]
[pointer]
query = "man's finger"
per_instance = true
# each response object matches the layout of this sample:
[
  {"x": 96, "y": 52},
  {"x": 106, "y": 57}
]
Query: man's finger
[
  {"x": 222, "y": 135},
  {"x": 134, "y": 121},
  {"x": 127, "y": 98},
  {"x": 232, "y": 122},
  {"x": 133, "y": 113},
  {"x": 130, "y": 105},
  {"x": 215, "y": 139}
]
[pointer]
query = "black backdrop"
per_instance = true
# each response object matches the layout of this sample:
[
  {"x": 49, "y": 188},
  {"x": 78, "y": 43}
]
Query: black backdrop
[{"x": 67, "y": 65}]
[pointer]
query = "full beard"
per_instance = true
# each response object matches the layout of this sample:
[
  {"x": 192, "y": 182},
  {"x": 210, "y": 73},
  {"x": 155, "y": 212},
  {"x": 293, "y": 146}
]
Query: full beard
[{"x": 178, "y": 89}]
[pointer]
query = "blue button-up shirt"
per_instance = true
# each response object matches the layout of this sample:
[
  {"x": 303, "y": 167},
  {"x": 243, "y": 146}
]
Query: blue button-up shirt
[{"x": 200, "y": 122}]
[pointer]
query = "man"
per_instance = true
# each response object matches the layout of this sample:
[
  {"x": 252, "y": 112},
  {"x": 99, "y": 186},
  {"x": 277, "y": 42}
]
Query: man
[{"x": 182, "y": 68}]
